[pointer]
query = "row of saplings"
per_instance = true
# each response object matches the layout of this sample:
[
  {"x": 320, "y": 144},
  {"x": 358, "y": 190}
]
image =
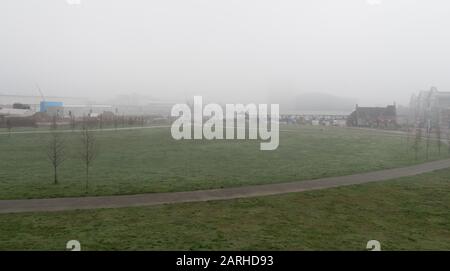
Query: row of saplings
[
  {"x": 56, "y": 150},
  {"x": 428, "y": 134}
]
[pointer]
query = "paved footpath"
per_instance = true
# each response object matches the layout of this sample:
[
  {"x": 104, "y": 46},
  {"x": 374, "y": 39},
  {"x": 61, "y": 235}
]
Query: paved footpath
[{"x": 60, "y": 204}]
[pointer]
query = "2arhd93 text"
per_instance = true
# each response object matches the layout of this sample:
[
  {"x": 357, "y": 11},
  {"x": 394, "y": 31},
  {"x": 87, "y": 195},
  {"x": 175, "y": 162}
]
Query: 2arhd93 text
[{"x": 232, "y": 260}]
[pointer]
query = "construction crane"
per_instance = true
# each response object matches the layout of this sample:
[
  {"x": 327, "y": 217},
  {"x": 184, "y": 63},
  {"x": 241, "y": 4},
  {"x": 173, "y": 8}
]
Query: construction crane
[{"x": 40, "y": 92}]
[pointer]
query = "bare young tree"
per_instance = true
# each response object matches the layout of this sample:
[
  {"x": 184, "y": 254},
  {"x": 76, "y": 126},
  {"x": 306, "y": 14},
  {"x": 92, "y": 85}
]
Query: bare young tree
[
  {"x": 408, "y": 134},
  {"x": 72, "y": 122},
  {"x": 9, "y": 126},
  {"x": 56, "y": 149},
  {"x": 88, "y": 150},
  {"x": 427, "y": 147},
  {"x": 439, "y": 138},
  {"x": 448, "y": 143},
  {"x": 115, "y": 120},
  {"x": 417, "y": 141},
  {"x": 142, "y": 121},
  {"x": 100, "y": 119}
]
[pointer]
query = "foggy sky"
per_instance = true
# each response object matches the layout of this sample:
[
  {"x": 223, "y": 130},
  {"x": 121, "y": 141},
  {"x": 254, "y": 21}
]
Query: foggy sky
[{"x": 376, "y": 52}]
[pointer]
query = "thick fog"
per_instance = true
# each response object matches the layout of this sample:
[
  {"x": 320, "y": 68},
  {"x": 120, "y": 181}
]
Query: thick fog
[{"x": 372, "y": 51}]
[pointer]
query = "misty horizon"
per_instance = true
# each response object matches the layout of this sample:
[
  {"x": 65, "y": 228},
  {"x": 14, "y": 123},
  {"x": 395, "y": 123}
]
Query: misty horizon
[{"x": 372, "y": 52}]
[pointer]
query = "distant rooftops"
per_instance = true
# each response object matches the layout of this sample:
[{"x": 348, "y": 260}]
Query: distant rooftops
[
  {"x": 16, "y": 112},
  {"x": 376, "y": 111}
]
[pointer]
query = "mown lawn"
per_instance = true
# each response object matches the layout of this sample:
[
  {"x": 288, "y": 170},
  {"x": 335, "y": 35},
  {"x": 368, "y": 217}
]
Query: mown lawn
[
  {"x": 406, "y": 214},
  {"x": 149, "y": 160}
]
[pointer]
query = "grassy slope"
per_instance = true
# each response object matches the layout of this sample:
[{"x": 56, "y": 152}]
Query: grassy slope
[
  {"x": 151, "y": 161},
  {"x": 409, "y": 213}
]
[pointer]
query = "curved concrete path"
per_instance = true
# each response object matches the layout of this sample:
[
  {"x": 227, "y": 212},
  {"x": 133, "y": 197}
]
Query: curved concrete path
[{"x": 60, "y": 204}]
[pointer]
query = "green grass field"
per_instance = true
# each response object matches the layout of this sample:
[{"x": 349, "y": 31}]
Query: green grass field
[
  {"x": 149, "y": 160},
  {"x": 405, "y": 214}
]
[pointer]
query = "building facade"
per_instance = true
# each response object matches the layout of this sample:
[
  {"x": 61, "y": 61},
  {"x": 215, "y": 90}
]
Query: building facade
[{"x": 374, "y": 117}]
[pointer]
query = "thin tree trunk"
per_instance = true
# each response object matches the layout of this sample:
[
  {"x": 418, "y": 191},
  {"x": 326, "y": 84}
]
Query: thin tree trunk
[
  {"x": 56, "y": 175},
  {"x": 87, "y": 178}
]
